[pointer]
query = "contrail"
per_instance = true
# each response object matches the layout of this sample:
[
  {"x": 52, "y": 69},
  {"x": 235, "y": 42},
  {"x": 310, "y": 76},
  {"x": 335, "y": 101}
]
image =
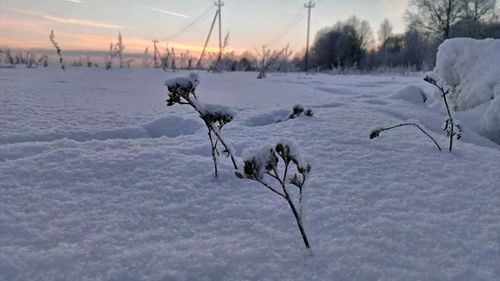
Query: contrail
[
  {"x": 65, "y": 20},
  {"x": 82, "y": 22},
  {"x": 165, "y": 12}
]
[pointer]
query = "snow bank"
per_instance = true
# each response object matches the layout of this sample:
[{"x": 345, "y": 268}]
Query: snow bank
[
  {"x": 148, "y": 208},
  {"x": 412, "y": 94},
  {"x": 472, "y": 68}
]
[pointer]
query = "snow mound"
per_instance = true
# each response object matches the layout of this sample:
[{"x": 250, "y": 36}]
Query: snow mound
[
  {"x": 267, "y": 118},
  {"x": 168, "y": 126},
  {"x": 472, "y": 68},
  {"x": 411, "y": 94},
  {"x": 172, "y": 127},
  {"x": 6, "y": 66}
]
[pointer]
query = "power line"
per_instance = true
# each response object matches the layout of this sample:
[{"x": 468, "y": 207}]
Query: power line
[
  {"x": 191, "y": 25},
  {"x": 296, "y": 19}
]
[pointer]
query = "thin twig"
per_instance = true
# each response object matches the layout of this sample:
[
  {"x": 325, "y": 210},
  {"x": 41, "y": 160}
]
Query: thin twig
[
  {"x": 415, "y": 125},
  {"x": 270, "y": 188}
]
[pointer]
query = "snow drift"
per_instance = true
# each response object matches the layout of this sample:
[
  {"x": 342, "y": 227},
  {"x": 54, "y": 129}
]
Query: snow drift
[
  {"x": 100, "y": 181},
  {"x": 472, "y": 68}
]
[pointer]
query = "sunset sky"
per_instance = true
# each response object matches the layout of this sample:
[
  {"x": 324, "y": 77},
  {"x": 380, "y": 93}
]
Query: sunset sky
[{"x": 92, "y": 24}]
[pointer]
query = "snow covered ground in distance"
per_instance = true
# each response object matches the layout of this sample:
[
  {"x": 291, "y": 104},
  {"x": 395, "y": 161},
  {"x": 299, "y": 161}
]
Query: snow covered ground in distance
[{"x": 100, "y": 181}]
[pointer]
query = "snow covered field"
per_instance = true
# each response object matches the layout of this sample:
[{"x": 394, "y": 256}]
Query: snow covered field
[{"x": 100, "y": 181}]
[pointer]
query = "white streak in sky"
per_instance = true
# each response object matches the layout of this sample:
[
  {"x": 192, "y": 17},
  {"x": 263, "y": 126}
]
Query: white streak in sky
[
  {"x": 64, "y": 20},
  {"x": 165, "y": 12},
  {"x": 82, "y": 22}
]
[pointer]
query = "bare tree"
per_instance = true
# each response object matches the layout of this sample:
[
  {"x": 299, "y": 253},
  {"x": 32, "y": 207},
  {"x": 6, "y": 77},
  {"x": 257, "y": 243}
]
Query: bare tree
[
  {"x": 385, "y": 31},
  {"x": 477, "y": 11},
  {"x": 363, "y": 30},
  {"x": 480, "y": 10},
  {"x": 440, "y": 16}
]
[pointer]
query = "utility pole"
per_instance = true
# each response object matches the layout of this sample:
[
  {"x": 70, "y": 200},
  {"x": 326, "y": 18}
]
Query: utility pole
[
  {"x": 219, "y": 5},
  {"x": 309, "y": 5}
]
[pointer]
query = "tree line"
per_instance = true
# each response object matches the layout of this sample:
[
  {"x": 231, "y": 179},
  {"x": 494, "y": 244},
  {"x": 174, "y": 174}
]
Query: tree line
[
  {"x": 343, "y": 47},
  {"x": 351, "y": 45}
]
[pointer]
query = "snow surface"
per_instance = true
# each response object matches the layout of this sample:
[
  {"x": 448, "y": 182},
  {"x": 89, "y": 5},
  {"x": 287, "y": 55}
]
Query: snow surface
[
  {"x": 472, "y": 68},
  {"x": 101, "y": 181}
]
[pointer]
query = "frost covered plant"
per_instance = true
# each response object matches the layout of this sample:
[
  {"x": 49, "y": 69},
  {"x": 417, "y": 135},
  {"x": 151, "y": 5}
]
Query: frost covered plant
[
  {"x": 452, "y": 129},
  {"x": 298, "y": 111},
  {"x": 182, "y": 91},
  {"x": 375, "y": 133},
  {"x": 115, "y": 50},
  {"x": 52, "y": 38},
  {"x": 269, "y": 60},
  {"x": 265, "y": 164}
]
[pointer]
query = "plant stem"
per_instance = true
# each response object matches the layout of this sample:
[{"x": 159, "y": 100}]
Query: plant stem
[
  {"x": 452, "y": 124},
  {"x": 270, "y": 188},
  {"x": 298, "y": 218},
  {"x": 214, "y": 147},
  {"x": 214, "y": 130},
  {"x": 226, "y": 147},
  {"x": 415, "y": 125}
]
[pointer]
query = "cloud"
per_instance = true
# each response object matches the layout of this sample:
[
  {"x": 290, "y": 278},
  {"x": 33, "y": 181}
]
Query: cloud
[
  {"x": 10, "y": 23},
  {"x": 25, "y": 12},
  {"x": 82, "y": 22},
  {"x": 165, "y": 12},
  {"x": 65, "y": 20}
]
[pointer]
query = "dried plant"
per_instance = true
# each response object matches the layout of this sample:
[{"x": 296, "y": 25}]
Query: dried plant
[
  {"x": 375, "y": 133},
  {"x": 115, "y": 50},
  {"x": 451, "y": 127},
  {"x": 182, "y": 91},
  {"x": 269, "y": 59},
  {"x": 264, "y": 164},
  {"x": 52, "y": 38},
  {"x": 298, "y": 111}
]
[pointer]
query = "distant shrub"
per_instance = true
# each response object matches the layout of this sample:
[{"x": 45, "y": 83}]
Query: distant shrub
[
  {"x": 9, "y": 57},
  {"x": 115, "y": 50},
  {"x": 44, "y": 60},
  {"x": 270, "y": 60}
]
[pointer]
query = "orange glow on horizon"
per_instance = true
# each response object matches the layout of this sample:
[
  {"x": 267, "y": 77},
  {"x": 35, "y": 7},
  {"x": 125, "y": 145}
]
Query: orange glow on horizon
[
  {"x": 34, "y": 34},
  {"x": 90, "y": 42}
]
